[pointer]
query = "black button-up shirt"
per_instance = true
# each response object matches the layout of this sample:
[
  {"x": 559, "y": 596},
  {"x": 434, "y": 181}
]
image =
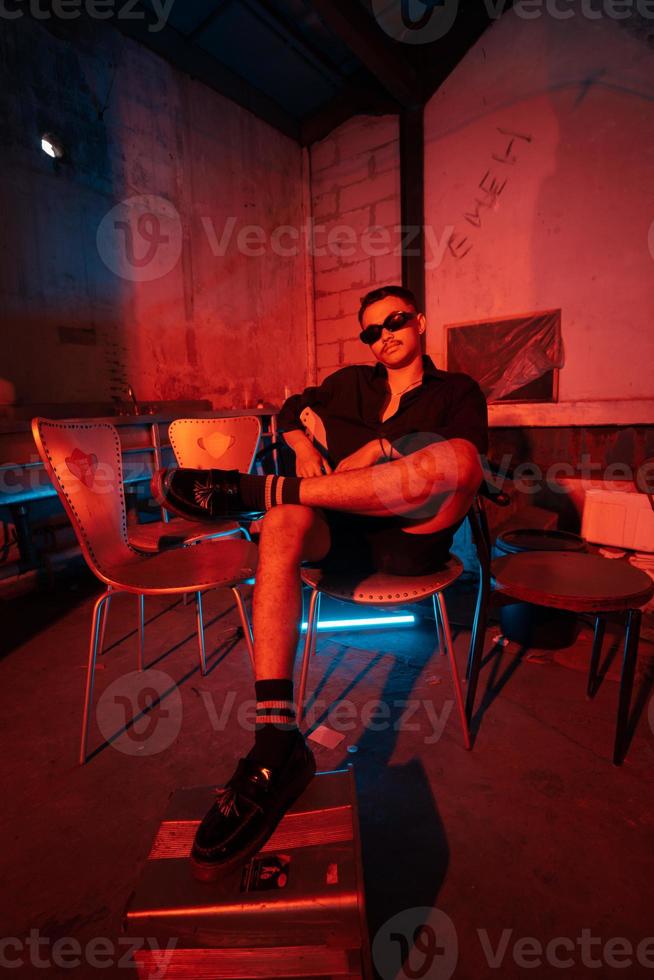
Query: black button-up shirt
[{"x": 349, "y": 403}]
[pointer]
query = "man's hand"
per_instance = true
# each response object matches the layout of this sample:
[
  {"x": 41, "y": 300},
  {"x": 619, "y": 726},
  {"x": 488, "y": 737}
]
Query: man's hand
[
  {"x": 362, "y": 458},
  {"x": 309, "y": 462}
]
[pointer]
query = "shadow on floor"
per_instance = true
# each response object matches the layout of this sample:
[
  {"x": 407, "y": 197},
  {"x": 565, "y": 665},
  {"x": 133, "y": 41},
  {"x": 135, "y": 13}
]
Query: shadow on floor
[{"x": 25, "y": 616}]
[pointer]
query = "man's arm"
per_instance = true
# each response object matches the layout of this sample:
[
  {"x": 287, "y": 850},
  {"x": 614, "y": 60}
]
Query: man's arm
[
  {"x": 467, "y": 418},
  {"x": 309, "y": 461}
]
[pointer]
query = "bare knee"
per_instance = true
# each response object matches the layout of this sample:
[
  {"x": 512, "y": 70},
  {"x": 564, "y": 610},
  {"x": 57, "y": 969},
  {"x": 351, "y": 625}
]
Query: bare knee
[
  {"x": 293, "y": 532},
  {"x": 287, "y": 525},
  {"x": 448, "y": 465}
]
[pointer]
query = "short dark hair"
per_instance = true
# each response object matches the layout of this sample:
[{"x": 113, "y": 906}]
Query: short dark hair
[{"x": 375, "y": 295}]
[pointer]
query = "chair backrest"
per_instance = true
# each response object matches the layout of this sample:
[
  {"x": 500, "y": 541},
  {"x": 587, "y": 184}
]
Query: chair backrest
[
  {"x": 84, "y": 462},
  {"x": 226, "y": 444}
]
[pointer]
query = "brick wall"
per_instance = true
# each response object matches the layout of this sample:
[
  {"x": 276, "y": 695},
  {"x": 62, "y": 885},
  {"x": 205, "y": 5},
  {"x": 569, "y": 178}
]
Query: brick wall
[{"x": 355, "y": 189}]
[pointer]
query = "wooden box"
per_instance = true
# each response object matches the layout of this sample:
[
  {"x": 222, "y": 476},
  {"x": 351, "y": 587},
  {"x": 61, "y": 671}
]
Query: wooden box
[{"x": 294, "y": 910}]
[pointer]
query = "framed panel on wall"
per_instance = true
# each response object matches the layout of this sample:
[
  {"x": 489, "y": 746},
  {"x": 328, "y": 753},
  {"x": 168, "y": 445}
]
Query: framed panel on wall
[{"x": 513, "y": 358}]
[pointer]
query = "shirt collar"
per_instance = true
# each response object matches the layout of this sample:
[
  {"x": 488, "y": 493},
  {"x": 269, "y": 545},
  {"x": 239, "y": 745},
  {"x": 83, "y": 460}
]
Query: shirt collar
[{"x": 429, "y": 369}]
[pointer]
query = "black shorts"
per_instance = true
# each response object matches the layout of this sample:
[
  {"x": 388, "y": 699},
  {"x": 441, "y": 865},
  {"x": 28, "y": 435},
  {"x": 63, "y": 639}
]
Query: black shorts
[{"x": 379, "y": 544}]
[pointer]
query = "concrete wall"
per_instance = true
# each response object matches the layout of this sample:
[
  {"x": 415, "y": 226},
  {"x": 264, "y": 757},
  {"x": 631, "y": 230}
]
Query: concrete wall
[
  {"x": 221, "y": 313},
  {"x": 186, "y": 317},
  {"x": 355, "y": 188},
  {"x": 570, "y": 228}
]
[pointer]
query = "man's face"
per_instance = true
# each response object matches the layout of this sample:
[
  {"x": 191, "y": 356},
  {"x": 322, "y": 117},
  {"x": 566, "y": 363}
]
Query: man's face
[{"x": 395, "y": 350}]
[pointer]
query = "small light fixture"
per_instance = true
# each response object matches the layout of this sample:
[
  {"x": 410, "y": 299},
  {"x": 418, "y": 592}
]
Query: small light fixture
[{"x": 51, "y": 145}]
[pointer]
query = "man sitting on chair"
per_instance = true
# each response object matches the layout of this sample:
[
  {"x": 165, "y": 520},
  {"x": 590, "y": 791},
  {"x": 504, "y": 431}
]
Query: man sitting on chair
[{"x": 397, "y": 475}]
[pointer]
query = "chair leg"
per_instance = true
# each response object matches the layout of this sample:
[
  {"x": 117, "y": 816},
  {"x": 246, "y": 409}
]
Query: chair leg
[
  {"x": 475, "y": 628},
  {"x": 478, "y": 635},
  {"x": 90, "y": 674},
  {"x": 141, "y": 631},
  {"x": 632, "y": 635},
  {"x": 309, "y": 649},
  {"x": 245, "y": 622},
  {"x": 105, "y": 617},
  {"x": 200, "y": 623},
  {"x": 598, "y": 639},
  {"x": 316, "y": 623},
  {"x": 438, "y": 598},
  {"x": 439, "y": 629}
]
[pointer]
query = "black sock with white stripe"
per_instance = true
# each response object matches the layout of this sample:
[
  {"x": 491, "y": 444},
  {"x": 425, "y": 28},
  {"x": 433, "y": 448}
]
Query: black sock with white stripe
[
  {"x": 264, "y": 492},
  {"x": 276, "y": 726}
]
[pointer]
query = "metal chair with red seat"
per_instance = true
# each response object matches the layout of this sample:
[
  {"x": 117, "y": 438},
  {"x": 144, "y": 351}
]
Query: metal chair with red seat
[
  {"x": 84, "y": 462},
  {"x": 229, "y": 443},
  {"x": 383, "y": 590},
  {"x": 389, "y": 590}
]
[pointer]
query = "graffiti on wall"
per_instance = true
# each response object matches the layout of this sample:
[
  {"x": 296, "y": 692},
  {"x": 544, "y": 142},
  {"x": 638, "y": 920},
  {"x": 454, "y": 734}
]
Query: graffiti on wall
[{"x": 492, "y": 185}]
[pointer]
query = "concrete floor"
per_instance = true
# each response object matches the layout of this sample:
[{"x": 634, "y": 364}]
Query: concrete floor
[{"x": 534, "y": 834}]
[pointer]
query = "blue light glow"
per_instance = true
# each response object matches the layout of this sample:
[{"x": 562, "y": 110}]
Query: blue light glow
[{"x": 379, "y": 621}]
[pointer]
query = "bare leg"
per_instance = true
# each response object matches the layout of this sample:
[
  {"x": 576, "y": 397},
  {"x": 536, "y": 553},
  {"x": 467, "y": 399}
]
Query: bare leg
[
  {"x": 290, "y": 534},
  {"x": 441, "y": 477}
]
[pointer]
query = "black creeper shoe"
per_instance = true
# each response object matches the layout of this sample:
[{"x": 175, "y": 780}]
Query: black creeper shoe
[
  {"x": 247, "y": 811},
  {"x": 199, "y": 495}
]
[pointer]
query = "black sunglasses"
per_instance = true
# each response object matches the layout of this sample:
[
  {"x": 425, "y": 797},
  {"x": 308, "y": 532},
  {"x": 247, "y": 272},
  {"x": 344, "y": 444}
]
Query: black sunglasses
[{"x": 394, "y": 321}]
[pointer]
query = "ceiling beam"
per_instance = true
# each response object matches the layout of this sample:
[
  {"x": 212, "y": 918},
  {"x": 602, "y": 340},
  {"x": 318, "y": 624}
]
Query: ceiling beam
[
  {"x": 182, "y": 54},
  {"x": 361, "y": 34},
  {"x": 219, "y": 6},
  {"x": 412, "y": 200}
]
